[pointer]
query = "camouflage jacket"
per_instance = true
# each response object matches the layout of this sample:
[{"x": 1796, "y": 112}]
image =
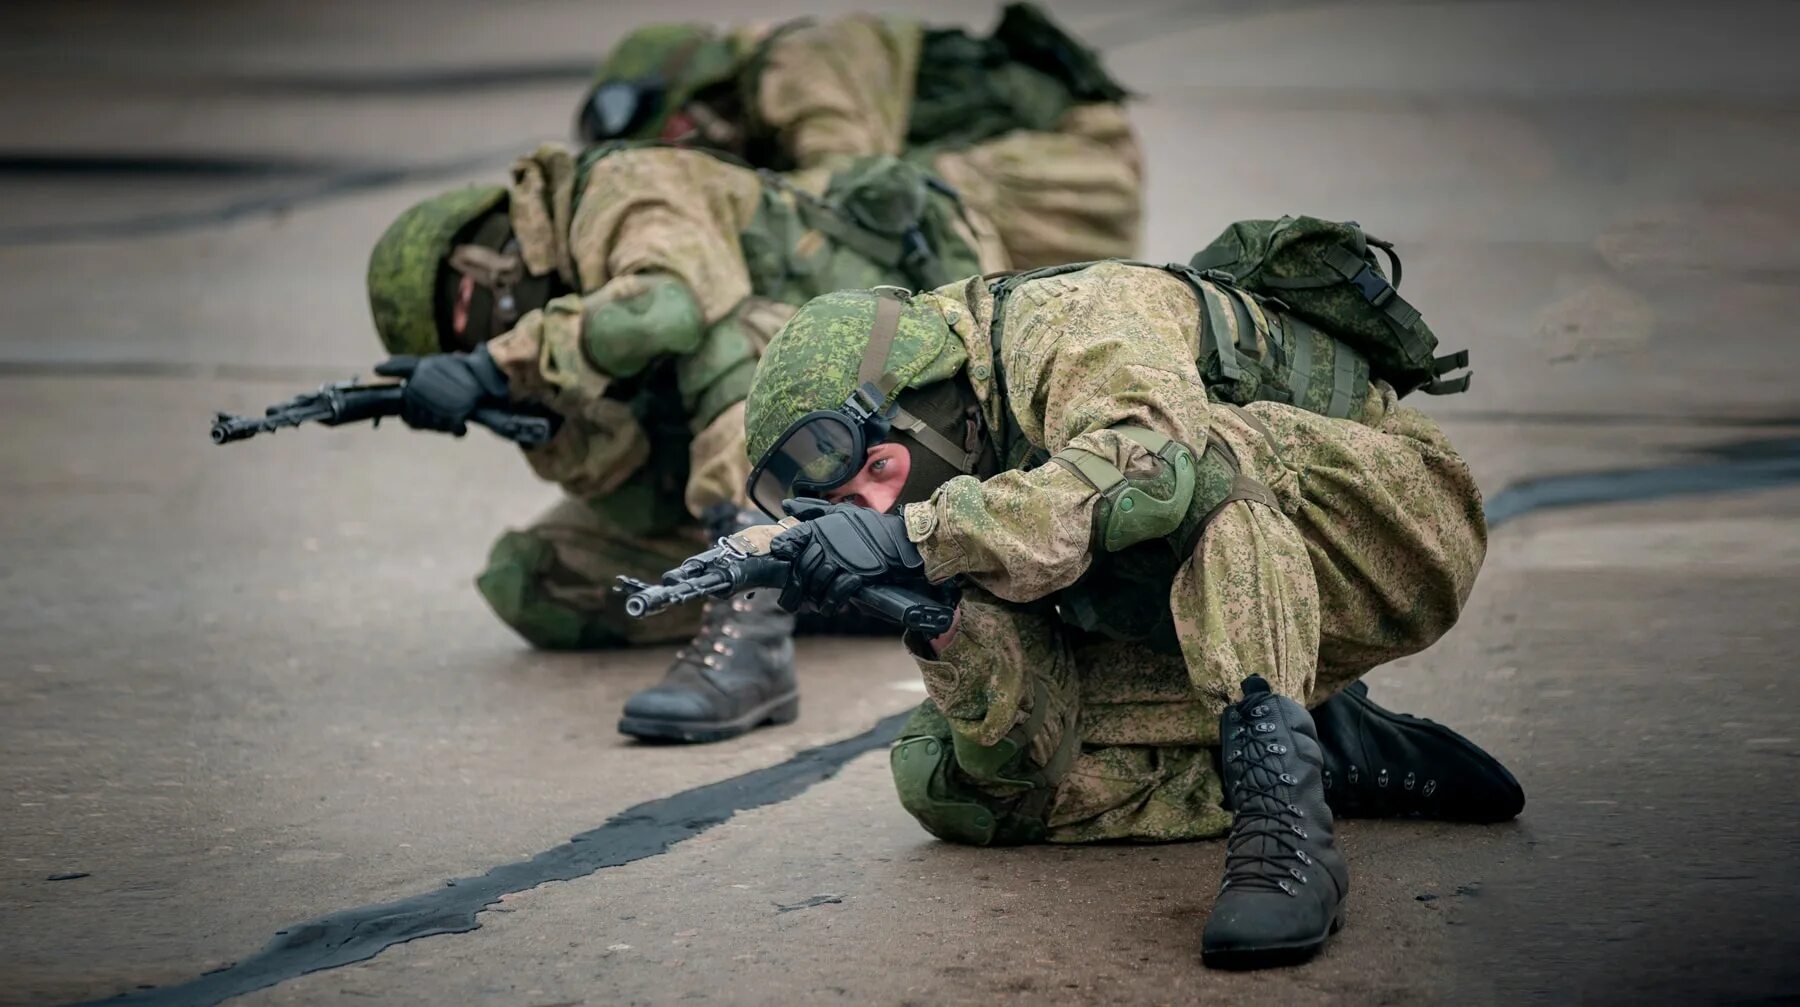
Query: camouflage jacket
[
  {"x": 820, "y": 91},
  {"x": 1082, "y": 353},
  {"x": 736, "y": 239}
]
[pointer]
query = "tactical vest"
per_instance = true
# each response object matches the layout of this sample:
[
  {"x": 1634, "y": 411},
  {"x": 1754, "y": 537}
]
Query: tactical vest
[{"x": 1250, "y": 351}]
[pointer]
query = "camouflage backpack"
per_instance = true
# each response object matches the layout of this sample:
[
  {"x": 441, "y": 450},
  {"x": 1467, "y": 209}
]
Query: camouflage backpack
[{"x": 1326, "y": 273}]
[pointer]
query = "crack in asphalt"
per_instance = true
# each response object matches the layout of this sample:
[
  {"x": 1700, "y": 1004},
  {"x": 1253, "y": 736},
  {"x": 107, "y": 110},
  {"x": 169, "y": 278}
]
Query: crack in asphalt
[
  {"x": 651, "y": 828},
  {"x": 643, "y": 830}
]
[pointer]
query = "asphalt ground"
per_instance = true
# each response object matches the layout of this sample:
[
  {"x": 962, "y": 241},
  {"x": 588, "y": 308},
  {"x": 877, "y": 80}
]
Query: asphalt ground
[{"x": 247, "y": 688}]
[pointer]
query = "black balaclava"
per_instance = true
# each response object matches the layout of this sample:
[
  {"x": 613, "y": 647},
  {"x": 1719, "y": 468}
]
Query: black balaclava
[
  {"x": 504, "y": 290},
  {"x": 948, "y": 407}
]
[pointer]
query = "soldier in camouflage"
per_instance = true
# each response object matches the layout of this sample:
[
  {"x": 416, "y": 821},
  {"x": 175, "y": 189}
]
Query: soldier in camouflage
[
  {"x": 1024, "y": 123},
  {"x": 1154, "y": 585},
  {"x": 630, "y": 290}
]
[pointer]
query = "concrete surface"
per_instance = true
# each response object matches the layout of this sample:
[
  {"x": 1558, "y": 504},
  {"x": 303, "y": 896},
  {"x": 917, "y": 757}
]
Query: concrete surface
[{"x": 245, "y": 688}]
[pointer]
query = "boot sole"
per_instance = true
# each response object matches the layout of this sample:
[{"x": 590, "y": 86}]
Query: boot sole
[
  {"x": 1362, "y": 700},
  {"x": 1270, "y": 955},
  {"x": 780, "y": 710}
]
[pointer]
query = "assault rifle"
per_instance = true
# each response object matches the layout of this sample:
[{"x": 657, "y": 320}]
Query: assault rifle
[
  {"x": 348, "y": 402},
  {"x": 741, "y": 563}
]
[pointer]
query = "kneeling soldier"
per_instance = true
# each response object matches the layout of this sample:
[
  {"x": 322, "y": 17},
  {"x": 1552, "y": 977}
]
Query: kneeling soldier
[
  {"x": 1155, "y": 585},
  {"x": 630, "y": 291}
]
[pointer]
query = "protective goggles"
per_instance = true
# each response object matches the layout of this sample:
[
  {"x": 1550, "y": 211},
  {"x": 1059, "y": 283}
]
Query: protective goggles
[
  {"x": 826, "y": 448},
  {"x": 819, "y": 452},
  {"x": 621, "y": 109}
]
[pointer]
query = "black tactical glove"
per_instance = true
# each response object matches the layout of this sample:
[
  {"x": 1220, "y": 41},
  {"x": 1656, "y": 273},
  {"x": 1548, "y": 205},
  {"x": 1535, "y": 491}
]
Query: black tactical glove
[
  {"x": 443, "y": 390},
  {"x": 839, "y": 549}
]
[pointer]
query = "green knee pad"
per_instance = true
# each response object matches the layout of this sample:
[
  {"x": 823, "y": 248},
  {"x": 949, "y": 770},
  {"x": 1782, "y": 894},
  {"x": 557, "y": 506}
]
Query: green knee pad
[
  {"x": 511, "y": 584},
  {"x": 924, "y": 763}
]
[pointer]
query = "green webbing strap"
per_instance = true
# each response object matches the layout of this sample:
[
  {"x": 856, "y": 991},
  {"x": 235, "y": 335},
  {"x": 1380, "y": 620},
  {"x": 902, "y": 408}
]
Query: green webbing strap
[
  {"x": 1243, "y": 488},
  {"x": 1036, "y": 802},
  {"x": 1379, "y": 292},
  {"x": 1215, "y": 259},
  {"x": 1343, "y": 385},
  {"x": 1219, "y": 329},
  {"x": 1440, "y": 385},
  {"x": 1101, "y": 474},
  {"x": 1094, "y": 470},
  {"x": 1248, "y": 331},
  {"x": 1001, "y": 288},
  {"x": 1300, "y": 351}
]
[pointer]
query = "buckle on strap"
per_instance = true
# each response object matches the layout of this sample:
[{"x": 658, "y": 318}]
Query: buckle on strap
[
  {"x": 1374, "y": 287},
  {"x": 1441, "y": 385}
]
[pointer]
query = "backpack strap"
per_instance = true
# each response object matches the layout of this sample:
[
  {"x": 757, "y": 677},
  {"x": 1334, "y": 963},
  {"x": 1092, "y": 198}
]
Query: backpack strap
[{"x": 1440, "y": 366}]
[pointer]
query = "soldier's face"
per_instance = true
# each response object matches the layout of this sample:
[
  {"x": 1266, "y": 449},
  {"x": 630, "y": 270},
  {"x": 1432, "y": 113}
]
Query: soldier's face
[
  {"x": 879, "y": 483},
  {"x": 459, "y": 311}
]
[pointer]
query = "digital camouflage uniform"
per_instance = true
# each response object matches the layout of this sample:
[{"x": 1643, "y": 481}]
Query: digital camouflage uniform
[
  {"x": 652, "y": 397},
  {"x": 1362, "y": 548},
  {"x": 1049, "y": 157}
]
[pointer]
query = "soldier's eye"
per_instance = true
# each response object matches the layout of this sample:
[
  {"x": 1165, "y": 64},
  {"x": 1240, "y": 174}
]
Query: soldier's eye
[{"x": 880, "y": 464}]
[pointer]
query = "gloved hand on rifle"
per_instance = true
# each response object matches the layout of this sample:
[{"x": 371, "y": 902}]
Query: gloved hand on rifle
[
  {"x": 443, "y": 390},
  {"x": 839, "y": 549}
]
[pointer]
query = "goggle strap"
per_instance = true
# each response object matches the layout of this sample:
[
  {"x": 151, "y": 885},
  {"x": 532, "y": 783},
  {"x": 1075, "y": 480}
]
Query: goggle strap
[{"x": 935, "y": 442}]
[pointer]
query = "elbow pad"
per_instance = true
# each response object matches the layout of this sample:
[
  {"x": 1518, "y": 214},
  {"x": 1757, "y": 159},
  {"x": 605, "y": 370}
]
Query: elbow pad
[
  {"x": 1141, "y": 509},
  {"x": 637, "y": 318}
]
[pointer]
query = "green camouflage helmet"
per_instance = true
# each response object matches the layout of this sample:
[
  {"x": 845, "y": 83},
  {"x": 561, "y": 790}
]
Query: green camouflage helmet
[
  {"x": 403, "y": 267},
  {"x": 813, "y": 362},
  {"x": 649, "y": 76}
]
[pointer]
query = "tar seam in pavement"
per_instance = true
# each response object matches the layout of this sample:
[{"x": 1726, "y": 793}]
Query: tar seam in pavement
[
  {"x": 651, "y": 828},
  {"x": 644, "y": 830}
]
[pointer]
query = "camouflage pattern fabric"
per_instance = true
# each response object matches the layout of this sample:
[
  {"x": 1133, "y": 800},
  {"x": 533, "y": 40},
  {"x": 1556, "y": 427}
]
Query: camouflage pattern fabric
[
  {"x": 552, "y": 582},
  {"x": 843, "y": 88},
  {"x": 619, "y": 229},
  {"x": 840, "y": 88},
  {"x": 1369, "y": 553},
  {"x": 1006, "y": 658},
  {"x": 1070, "y": 194},
  {"x": 665, "y": 212}
]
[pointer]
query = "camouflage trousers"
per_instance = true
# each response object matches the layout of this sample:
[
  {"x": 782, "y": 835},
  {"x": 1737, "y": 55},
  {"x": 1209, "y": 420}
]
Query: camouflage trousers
[
  {"x": 552, "y": 582},
  {"x": 1038, "y": 732},
  {"x": 1067, "y": 195}
]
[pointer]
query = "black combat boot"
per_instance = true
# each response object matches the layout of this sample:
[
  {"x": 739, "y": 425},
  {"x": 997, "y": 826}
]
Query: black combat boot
[
  {"x": 1381, "y": 764},
  {"x": 1285, "y": 881},
  {"x": 736, "y": 675}
]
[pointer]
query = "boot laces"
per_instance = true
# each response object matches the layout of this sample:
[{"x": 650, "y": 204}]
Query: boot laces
[
  {"x": 717, "y": 638},
  {"x": 1264, "y": 846}
]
